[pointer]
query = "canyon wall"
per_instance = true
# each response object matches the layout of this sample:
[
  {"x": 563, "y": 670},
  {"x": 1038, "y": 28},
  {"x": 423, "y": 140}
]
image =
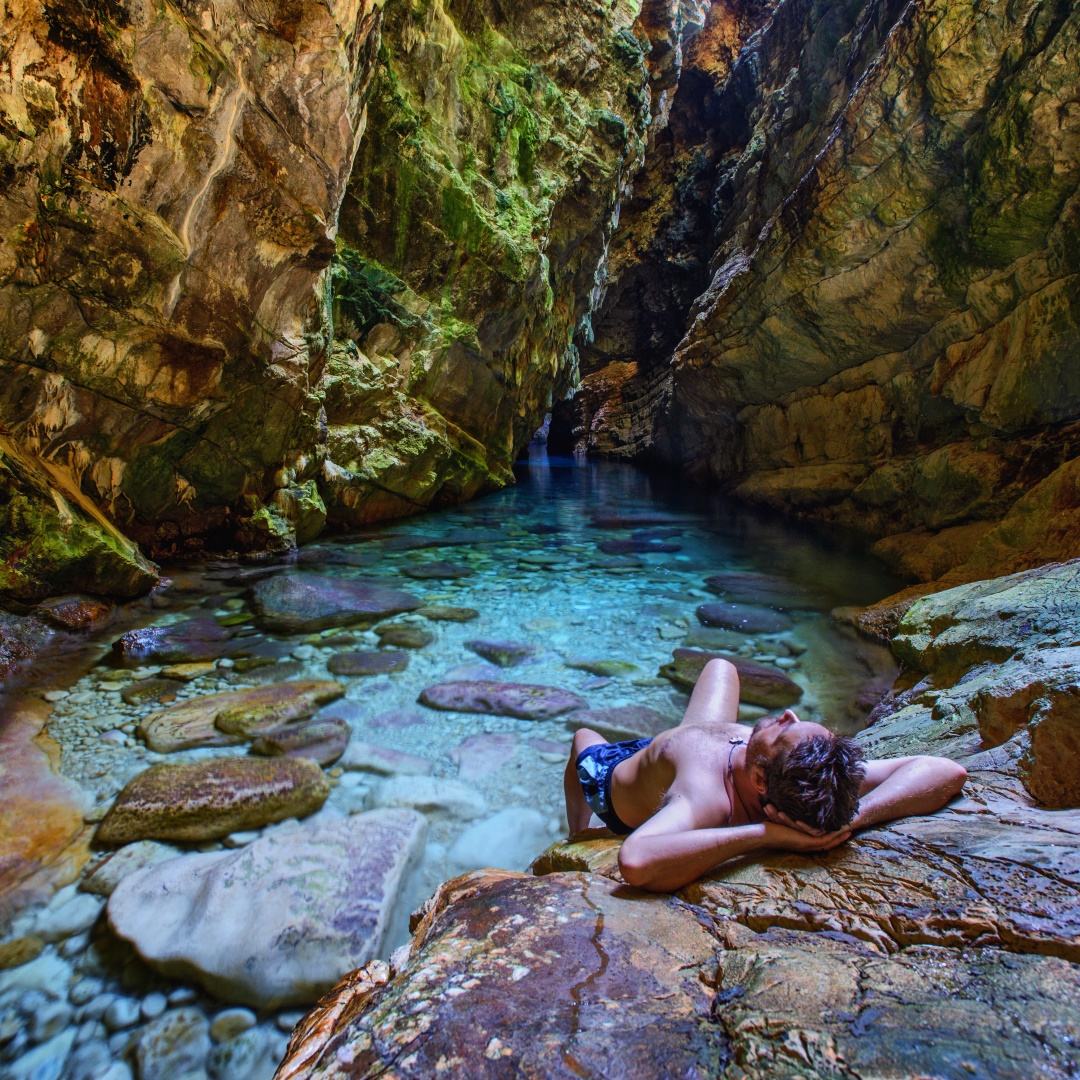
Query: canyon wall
[
  {"x": 190, "y": 347},
  {"x": 880, "y": 201}
]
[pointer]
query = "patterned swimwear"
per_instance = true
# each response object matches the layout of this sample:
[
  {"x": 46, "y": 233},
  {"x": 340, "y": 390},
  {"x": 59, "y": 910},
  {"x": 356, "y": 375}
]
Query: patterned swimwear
[{"x": 595, "y": 764}]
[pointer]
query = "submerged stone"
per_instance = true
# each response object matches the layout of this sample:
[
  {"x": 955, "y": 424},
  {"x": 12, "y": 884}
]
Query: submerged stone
[
  {"x": 502, "y": 653},
  {"x": 764, "y": 590},
  {"x": 143, "y": 691},
  {"x": 607, "y": 669},
  {"x": 638, "y": 547},
  {"x": 404, "y": 636},
  {"x": 279, "y": 921},
  {"x": 759, "y": 684},
  {"x": 351, "y": 664},
  {"x": 303, "y": 603},
  {"x": 75, "y": 612},
  {"x": 205, "y": 800},
  {"x": 520, "y": 700},
  {"x": 448, "y": 613},
  {"x": 110, "y": 871},
  {"x": 749, "y": 618},
  {"x": 618, "y": 722},
  {"x": 189, "y": 641},
  {"x": 480, "y": 755},
  {"x": 235, "y": 715},
  {"x": 437, "y": 571},
  {"x": 323, "y": 741}
]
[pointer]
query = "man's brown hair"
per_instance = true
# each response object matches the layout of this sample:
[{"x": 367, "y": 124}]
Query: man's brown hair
[{"x": 817, "y": 781}]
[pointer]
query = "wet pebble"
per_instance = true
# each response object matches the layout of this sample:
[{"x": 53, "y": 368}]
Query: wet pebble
[
  {"x": 49, "y": 1019},
  {"x": 230, "y": 1023},
  {"x": 122, "y": 1013},
  {"x": 153, "y": 1005}
]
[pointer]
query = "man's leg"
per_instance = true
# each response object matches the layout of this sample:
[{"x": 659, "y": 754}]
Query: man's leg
[
  {"x": 578, "y": 810},
  {"x": 715, "y": 699}
]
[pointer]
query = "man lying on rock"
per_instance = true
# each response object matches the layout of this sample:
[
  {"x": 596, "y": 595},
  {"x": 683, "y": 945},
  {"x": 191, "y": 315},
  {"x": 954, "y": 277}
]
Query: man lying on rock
[{"x": 703, "y": 792}]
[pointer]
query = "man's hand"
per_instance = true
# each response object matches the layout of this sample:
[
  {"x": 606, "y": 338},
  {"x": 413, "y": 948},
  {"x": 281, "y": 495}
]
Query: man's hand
[
  {"x": 784, "y": 838},
  {"x": 778, "y": 817}
]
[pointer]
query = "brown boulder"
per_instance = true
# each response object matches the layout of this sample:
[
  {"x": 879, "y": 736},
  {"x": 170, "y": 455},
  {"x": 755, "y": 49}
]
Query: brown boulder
[
  {"x": 563, "y": 976},
  {"x": 204, "y": 800},
  {"x": 236, "y": 715}
]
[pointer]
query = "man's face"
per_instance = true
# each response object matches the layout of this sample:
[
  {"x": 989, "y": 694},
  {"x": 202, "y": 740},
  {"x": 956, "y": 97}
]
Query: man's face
[{"x": 773, "y": 734}]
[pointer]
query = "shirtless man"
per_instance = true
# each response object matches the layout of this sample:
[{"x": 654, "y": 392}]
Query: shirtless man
[{"x": 705, "y": 792}]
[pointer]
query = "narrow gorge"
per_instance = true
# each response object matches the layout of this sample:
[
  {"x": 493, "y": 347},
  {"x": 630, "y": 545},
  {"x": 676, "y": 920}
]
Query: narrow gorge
[{"x": 390, "y": 388}]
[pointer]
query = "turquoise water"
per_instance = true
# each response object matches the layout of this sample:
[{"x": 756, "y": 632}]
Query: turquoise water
[{"x": 538, "y": 576}]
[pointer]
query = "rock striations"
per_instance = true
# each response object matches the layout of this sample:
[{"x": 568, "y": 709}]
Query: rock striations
[
  {"x": 847, "y": 286},
  {"x": 268, "y": 265},
  {"x": 942, "y": 945}
]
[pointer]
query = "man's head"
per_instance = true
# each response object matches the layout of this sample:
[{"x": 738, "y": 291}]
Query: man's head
[{"x": 805, "y": 771}]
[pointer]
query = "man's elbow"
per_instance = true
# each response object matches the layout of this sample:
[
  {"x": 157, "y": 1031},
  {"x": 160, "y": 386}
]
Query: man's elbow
[{"x": 634, "y": 868}]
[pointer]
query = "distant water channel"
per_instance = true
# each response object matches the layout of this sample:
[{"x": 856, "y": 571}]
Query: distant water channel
[{"x": 600, "y": 568}]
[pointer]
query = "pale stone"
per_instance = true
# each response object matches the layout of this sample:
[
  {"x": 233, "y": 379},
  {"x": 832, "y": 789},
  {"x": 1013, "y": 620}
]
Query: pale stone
[
  {"x": 508, "y": 840},
  {"x": 279, "y": 921},
  {"x": 370, "y": 757},
  {"x": 432, "y": 795}
]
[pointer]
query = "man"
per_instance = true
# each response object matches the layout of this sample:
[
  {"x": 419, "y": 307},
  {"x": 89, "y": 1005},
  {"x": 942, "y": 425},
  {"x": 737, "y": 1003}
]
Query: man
[{"x": 703, "y": 792}]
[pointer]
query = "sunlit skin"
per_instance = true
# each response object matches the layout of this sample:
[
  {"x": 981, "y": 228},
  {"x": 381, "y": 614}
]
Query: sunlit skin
[{"x": 695, "y": 799}]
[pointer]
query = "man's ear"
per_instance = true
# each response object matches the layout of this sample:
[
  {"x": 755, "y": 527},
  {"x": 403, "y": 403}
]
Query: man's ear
[{"x": 757, "y": 778}]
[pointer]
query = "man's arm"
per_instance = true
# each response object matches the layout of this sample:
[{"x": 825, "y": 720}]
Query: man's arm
[
  {"x": 899, "y": 787},
  {"x": 669, "y": 851}
]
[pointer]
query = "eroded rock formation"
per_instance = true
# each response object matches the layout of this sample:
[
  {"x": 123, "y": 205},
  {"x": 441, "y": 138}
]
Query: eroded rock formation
[
  {"x": 883, "y": 212},
  {"x": 930, "y": 946},
  {"x": 189, "y": 340}
]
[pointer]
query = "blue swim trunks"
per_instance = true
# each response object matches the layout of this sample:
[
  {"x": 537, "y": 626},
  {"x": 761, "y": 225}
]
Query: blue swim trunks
[{"x": 595, "y": 764}]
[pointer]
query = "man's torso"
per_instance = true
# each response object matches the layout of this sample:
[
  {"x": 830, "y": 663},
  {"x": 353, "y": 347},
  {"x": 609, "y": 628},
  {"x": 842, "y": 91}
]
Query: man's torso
[{"x": 698, "y": 756}]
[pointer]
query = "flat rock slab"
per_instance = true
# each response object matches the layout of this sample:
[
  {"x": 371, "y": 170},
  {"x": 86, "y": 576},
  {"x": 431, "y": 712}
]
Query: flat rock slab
[
  {"x": 520, "y": 700},
  {"x": 606, "y": 669},
  {"x": 75, "y": 612},
  {"x": 367, "y": 662},
  {"x": 236, "y": 715},
  {"x": 915, "y": 1013},
  {"x": 304, "y": 603},
  {"x": 277, "y": 922},
  {"x": 437, "y": 571},
  {"x": 560, "y": 976},
  {"x": 763, "y": 590},
  {"x": 431, "y": 795},
  {"x": 205, "y": 800},
  {"x": 190, "y": 641},
  {"x": 370, "y": 757},
  {"x": 759, "y": 684},
  {"x": 748, "y": 618},
  {"x": 404, "y": 636},
  {"x": 103, "y": 878},
  {"x": 502, "y": 653},
  {"x": 619, "y": 722},
  {"x": 448, "y": 613},
  {"x": 323, "y": 741},
  {"x": 150, "y": 690},
  {"x": 480, "y": 755}
]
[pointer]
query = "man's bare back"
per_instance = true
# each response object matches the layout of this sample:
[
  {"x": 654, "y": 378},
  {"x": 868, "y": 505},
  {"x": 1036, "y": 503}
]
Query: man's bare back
[{"x": 695, "y": 795}]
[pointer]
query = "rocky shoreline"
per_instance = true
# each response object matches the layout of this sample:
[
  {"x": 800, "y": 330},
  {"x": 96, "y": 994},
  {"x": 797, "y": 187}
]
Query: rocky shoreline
[{"x": 945, "y": 945}]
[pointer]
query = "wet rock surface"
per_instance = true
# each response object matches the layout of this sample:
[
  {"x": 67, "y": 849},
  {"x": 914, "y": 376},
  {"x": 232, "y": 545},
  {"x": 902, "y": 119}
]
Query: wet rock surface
[
  {"x": 279, "y": 921},
  {"x": 233, "y": 716},
  {"x": 303, "y": 603},
  {"x": 206, "y": 800},
  {"x": 323, "y": 741},
  {"x": 900, "y": 953},
  {"x": 501, "y": 699},
  {"x": 759, "y": 684}
]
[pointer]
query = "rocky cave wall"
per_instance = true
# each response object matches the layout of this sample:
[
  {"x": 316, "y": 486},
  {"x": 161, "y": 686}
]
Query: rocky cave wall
[
  {"x": 879, "y": 202},
  {"x": 194, "y": 356}
]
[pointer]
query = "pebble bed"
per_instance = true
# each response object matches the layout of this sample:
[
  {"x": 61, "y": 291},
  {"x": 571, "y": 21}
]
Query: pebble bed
[{"x": 88, "y": 1007}]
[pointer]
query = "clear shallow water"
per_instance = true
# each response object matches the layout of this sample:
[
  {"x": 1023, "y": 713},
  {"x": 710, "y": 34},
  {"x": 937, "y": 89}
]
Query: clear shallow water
[{"x": 538, "y": 577}]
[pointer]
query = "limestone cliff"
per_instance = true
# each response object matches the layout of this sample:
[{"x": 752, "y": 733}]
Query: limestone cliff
[
  {"x": 172, "y": 179},
  {"x": 475, "y": 227},
  {"x": 187, "y": 336},
  {"x": 883, "y": 211}
]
